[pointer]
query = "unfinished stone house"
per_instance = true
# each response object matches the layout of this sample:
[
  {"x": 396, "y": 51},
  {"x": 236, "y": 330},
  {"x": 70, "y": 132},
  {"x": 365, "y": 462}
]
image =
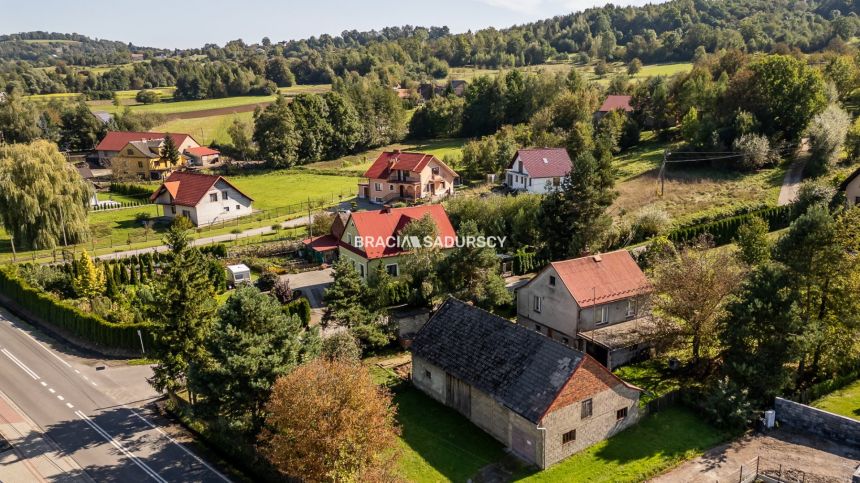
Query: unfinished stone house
[{"x": 544, "y": 400}]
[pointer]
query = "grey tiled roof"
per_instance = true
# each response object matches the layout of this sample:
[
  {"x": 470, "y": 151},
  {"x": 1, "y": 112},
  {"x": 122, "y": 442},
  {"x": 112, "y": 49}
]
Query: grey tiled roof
[{"x": 521, "y": 369}]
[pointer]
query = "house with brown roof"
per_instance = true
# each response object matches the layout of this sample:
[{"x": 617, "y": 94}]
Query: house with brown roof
[
  {"x": 143, "y": 160},
  {"x": 538, "y": 170},
  {"x": 614, "y": 103},
  {"x": 542, "y": 399},
  {"x": 372, "y": 238},
  {"x": 115, "y": 141},
  {"x": 322, "y": 248},
  {"x": 597, "y": 304},
  {"x": 204, "y": 199},
  {"x": 412, "y": 177},
  {"x": 202, "y": 155}
]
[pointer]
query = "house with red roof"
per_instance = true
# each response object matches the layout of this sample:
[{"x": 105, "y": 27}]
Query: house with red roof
[
  {"x": 202, "y": 155},
  {"x": 204, "y": 199},
  {"x": 614, "y": 103},
  {"x": 372, "y": 238},
  {"x": 115, "y": 142},
  {"x": 538, "y": 170},
  {"x": 597, "y": 304},
  {"x": 400, "y": 176}
]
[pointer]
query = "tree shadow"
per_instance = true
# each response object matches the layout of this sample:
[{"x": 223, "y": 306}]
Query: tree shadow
[{"x": 104, "y": 445}]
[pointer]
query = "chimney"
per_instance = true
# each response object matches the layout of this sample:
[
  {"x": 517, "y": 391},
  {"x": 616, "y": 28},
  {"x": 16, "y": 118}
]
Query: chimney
[
  {"x": 597, "y": 258},
  {"x": 397, "y": 151},
  {"x": 385, "y": 209}
]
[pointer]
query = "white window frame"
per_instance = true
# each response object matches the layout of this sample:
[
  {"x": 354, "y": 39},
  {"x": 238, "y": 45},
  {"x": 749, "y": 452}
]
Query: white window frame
[
  {"x": 604, "y": 315},
  {"x": 213, "y": 197},
  {"x": 631, "y": 308},
  {"x": 537, "y": 303},
  {"x": 377, "y": 186}
]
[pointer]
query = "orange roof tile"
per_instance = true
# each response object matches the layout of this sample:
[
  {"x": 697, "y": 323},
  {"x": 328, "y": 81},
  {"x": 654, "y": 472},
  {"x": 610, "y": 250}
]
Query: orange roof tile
[{"x": 603, "y": 278}]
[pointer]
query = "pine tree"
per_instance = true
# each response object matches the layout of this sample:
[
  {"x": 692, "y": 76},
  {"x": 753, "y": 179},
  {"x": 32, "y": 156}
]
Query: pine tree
[
  {"x": 169, "y": 151},
  {"x": 472, "y": 272},
  {"x": 186, "y": 309},
  {"x": 90, "y": 281},
  {"x": 345, "y": 298}
]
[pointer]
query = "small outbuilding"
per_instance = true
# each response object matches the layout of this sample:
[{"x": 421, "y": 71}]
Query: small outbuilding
[{"x": 238, "y": 274}]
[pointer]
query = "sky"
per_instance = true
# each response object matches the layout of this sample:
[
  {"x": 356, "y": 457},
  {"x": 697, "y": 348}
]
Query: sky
[{"x": 193, "y": 23}]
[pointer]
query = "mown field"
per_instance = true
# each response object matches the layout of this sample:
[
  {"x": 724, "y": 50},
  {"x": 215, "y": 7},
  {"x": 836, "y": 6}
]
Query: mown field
[
  {"x": 357, "y": 164},
  {"x": 845, "y": 401},
  {"x": 206, "y": 130}
]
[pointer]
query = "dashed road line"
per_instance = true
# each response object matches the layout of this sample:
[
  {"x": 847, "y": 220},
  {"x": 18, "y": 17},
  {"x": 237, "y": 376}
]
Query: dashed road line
[
  {"x": 51, "y": 390},
  {"x": 70, "y": 406},
  {"x": 61, "y": 398}
]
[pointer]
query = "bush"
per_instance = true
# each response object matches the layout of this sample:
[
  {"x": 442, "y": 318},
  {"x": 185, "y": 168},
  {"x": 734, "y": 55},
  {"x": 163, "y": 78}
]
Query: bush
[
  {"x": 300, "y": 307},
  {"x": 147, "y": 97},
  {"x": 725, "y": 230},
  {"x": 341, "y": 346},
  {"x": 650, "y": 222},
  {"x": 267, "y": 280},
  {"x": 755, "y": 150},
  {"x": 130, "y": 189}
]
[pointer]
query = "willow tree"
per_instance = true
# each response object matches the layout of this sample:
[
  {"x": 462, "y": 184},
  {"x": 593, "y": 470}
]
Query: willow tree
[{"x": 43, "y": 200}]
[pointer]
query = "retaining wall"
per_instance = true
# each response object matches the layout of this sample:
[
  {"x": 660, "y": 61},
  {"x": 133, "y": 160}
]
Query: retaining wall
[{"x": 838, "y": 428}]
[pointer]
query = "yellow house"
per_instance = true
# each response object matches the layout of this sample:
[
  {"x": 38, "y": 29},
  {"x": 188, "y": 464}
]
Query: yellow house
[{"x": 142, "y": 160}]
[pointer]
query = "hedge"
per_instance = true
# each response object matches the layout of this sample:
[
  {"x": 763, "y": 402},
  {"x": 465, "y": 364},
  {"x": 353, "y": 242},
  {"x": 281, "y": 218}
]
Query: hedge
[
  {"x": 300, "y": 307},
  {"x": 88, "y": 327},
  {"x": 130, "y": 189},
  {"x": 725, "y": 231}
]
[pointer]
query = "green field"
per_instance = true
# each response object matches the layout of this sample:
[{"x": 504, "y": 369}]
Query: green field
[
  {"x": 275, "y": 189},
  {"x": 357, "y": 164},
  {"x": 845, "y": 401},
  {"x": 206, "y": 130},
  {"x": 469, "y": 73}
]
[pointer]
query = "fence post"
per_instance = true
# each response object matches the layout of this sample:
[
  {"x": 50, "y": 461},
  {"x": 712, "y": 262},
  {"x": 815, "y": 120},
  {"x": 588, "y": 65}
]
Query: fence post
[{"x": 741, "y": 475}]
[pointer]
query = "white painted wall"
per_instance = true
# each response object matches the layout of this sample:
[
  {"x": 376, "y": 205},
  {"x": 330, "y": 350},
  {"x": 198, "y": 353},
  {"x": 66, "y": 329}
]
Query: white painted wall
[{"x": 208, "y": 212}]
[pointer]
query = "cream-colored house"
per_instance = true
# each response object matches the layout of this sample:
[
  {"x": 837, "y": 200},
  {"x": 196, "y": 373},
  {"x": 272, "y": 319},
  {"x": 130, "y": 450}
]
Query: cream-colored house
[
  {"x": 542, "y": 399},
  {"x": 396, "y": 175},
  {"x": 143, "y": 160},
  {"x": 114, "y": 142}
]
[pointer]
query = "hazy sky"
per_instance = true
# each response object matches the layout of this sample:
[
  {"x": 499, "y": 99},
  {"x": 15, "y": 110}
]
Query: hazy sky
[{"x": 192, "y": 23}]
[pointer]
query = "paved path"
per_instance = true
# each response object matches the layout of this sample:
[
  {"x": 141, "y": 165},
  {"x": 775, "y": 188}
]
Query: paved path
[
  {"x": 208, "y": 240},
  {"x": 793, "y": 178},
  {"x": 97, "y": 415}
]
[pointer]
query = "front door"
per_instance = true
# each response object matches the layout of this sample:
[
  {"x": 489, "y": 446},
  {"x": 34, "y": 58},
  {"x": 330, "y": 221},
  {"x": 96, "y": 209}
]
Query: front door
[{"x": 402, "y": 191}]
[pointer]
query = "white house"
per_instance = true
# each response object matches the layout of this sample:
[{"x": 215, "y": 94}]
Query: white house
[
  {"x": 202, "y": 198},
  {"x": 238, "y": 274},
  {"x": 538, "y": 170},
  {"x": 851, "y": 187}
]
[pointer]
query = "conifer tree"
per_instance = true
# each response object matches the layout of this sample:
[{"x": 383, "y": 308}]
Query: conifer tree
[
  {"x": 169, "y": 151},
  {"x": 90, "y": 280}
]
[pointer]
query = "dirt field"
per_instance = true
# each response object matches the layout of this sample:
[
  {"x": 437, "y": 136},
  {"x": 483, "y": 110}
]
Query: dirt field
[
  {"x": 799, "y": 457},
  {"x": 214, "y": 112}
]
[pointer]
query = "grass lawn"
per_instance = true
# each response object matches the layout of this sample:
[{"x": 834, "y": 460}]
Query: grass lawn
[
  {"x": 659, "y": 442},
  {"x": 652, "y": 376},
  {"x": 275, "y": 189},
  {"x": 845, "y": 401},
  {"x": 206, "y": 130},
  {"x": 188, "y": 106},
  {"x": 357, "y": 164}
]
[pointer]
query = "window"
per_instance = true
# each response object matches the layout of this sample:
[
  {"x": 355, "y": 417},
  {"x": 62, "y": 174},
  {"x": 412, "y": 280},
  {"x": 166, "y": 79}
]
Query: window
[
  {"x": 857, "y": 200},
  {"x": 587, "y": 408},
  {"x": 213, "y": 197},
  {"x": 361, "y": 270},
  {"x": 537, "y": 328},
  {"x": 140, "y": 164},
  {"x": 435, "y": 170},
  {"x": 568, "y": 437},
  {"x": 391, "y": 187},
  {"x": 621, "y": 414},
  {"x": 565, "y": 341},
  {"x": 391, "y": 269},
  {"x": 186, "y": 213},
  {"x": 556, "y": 181},
  {"x": 537, "y": 304},
  {"x": 552, "y": 280},
  {"x": 223, "y": 195},
  {"x": 530, "y": 181},
  {"x": 377, "y": 186},
  {"x": 173, "y": 210},
  {"x": 378, "y": 199},
  {"x": 604, "y": 315},
  {"x": 226, "y": 208},
  {"x": 428, "y": 375},
  {"x": 631, "y": 308},
  {"x": 238, "y": 207},
  {"x": 129, "y": 151}
]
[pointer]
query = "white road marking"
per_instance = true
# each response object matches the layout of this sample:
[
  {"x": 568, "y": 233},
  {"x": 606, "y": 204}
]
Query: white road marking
[
  {"x": 60, "y": 398},
  {"x": 93, "y": 383},
  {"x": 49, "y": 351},
  {"x": 77, "y": 371},
  {"x": 20, "y": 364},
  {"x": 69, "y": 405},
  {"x": 51, "y": 390},
  {"x": 43, "y": 383},
  {"x": 104, "y": 434},
  {"x": 183, "y": 448},
  {"x": 86, "y": 378}
]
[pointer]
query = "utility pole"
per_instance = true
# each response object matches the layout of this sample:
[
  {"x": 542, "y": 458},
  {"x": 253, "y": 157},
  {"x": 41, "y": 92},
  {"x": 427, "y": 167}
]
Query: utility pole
[{"x": 310, "y": 220}]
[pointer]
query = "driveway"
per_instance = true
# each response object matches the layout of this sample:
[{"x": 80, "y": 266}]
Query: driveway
[
  {"x": 799, "y": 457},
  {"x": 312, "y": 285}
]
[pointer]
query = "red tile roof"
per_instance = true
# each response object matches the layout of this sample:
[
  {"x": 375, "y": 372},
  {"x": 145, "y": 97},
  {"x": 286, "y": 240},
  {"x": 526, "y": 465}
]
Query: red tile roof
[
  {"x": 616, "y": 102},
  {"x": 322, "y": 243},
  {"x": 601, "y": 279},
  {"x": 544, "y": 162},
  {"x": 382, "y": 224},
  {"x": 202, "y": 151},
  {"x": 187, "y": 189},
  {"x": 116, "y": 140},
  {"x": 390, "y": 160}
]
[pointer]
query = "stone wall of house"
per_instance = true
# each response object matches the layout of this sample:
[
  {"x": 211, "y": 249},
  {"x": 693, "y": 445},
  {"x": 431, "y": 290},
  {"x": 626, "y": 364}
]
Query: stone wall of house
[
  {"x": 856, "y": 477},
  {"x": 428, "y": 378},
  {"x": 410, "y": 321},
  {"x": 490, "y": 416},
  {"x": 807, "y": 418}
]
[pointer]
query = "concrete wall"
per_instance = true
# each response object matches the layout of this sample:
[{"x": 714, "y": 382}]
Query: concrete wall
[
  {"x": 589, "y": 318},
  {"x": 559, "y": 311},
  {"x": 410, "y": 321},
  {"x": 807, "y": 418}
]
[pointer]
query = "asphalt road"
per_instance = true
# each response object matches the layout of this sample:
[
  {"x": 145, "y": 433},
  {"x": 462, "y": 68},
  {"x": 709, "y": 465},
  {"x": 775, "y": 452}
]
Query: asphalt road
[{"x": 97, "y": 417}]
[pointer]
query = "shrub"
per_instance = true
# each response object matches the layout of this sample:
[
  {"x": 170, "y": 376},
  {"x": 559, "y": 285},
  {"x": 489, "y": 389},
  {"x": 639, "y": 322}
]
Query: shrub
[
  {"x": 300, "y": 307},
  {"x": 267, "y": 280},
  {"x": 282, "y": 291},
  {"x": 341, "y": 346},
  {"x": 147, "y": 97},
  {"x": 755, "y": 150},
  {"x": 649, "y": 222}
]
